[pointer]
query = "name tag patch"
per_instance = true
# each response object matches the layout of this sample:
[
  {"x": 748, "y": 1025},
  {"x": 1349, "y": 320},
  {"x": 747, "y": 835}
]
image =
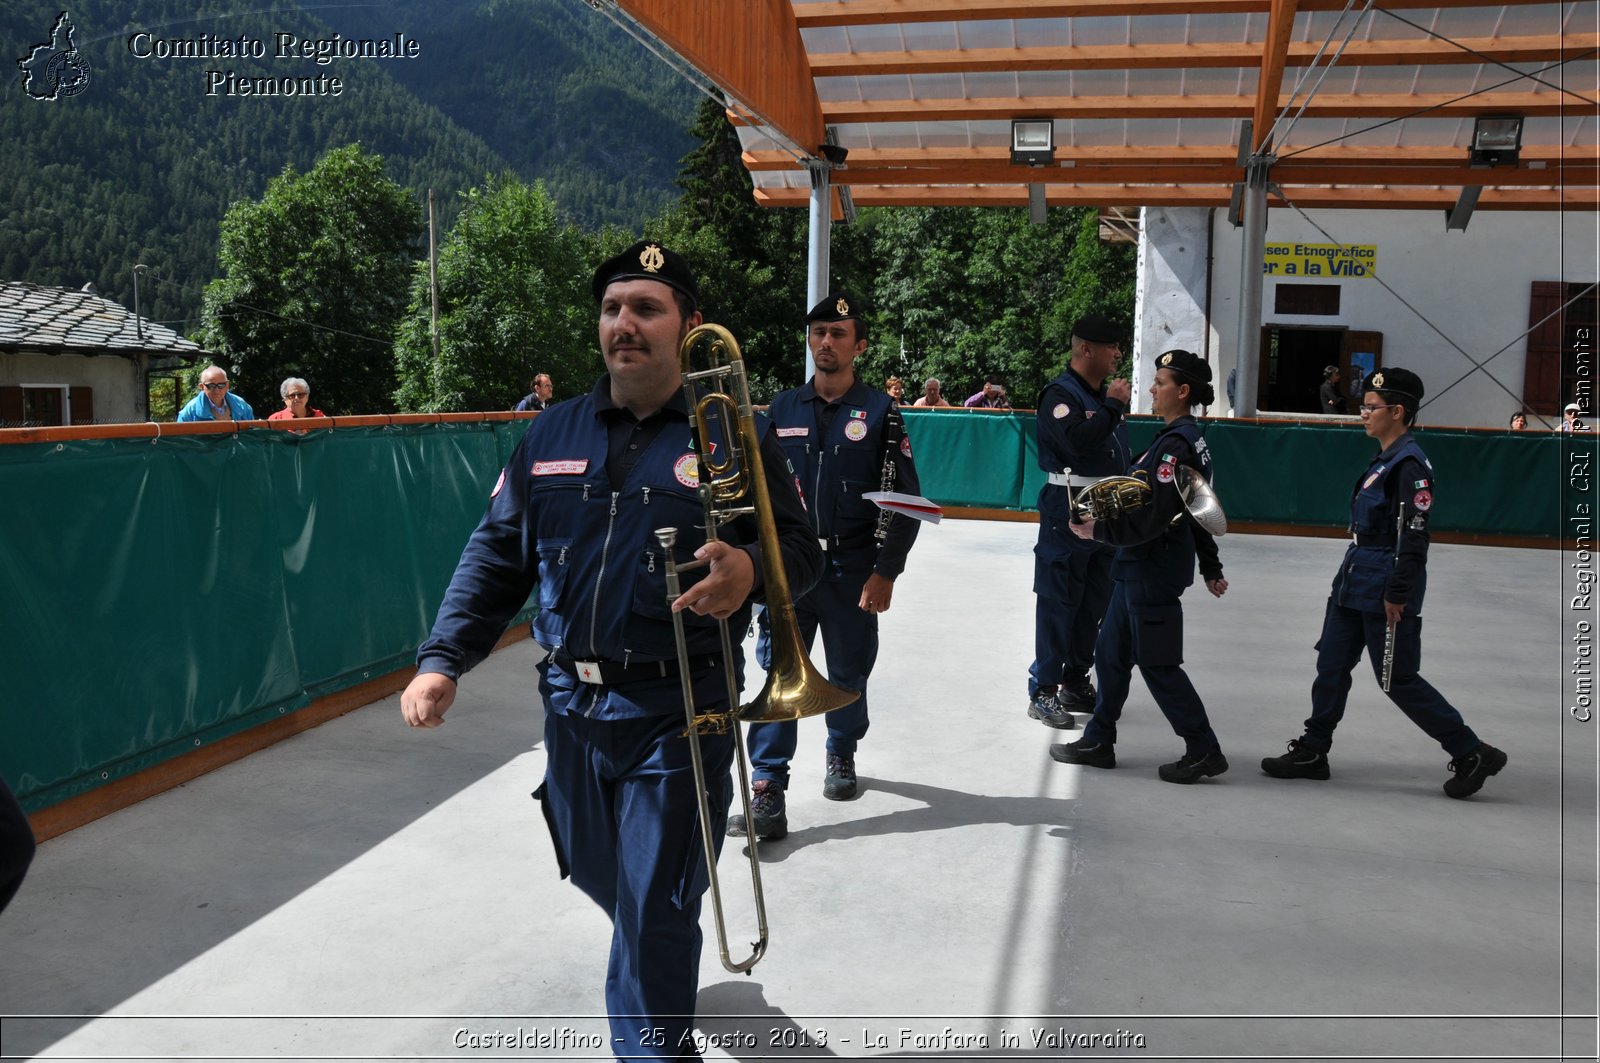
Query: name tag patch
[
  {"x": 565, "y": 467},
  {"x": 790, "y": 433}
]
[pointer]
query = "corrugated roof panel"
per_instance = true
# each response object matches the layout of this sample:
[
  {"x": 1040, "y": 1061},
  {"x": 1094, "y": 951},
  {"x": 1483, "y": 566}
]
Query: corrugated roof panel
[
  {"x": 927, "y": 36},
  {"x": 1177, "y": 29},
  {"x": 1099, "y": 30}
]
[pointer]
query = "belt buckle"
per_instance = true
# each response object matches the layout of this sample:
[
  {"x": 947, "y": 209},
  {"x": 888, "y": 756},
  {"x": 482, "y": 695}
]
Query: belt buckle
[{"x": 587, "y": 671}]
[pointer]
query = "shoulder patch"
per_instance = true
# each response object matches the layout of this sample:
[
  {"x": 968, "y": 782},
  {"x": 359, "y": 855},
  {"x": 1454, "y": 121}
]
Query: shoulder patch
[
  {"x": 687, "y": 470},
  {"x": 498, "y": 484},
  {"x": 1061, "y": 410},
  {"x": 1423, "y": 500},
  {"x": 905, "y": 445}
]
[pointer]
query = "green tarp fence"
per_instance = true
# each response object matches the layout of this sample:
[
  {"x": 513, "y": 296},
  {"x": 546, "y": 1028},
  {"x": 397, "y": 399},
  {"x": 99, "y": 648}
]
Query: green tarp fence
[
  {"x": 164, "y": 594},
  {"x": 1491, "y": 483}
]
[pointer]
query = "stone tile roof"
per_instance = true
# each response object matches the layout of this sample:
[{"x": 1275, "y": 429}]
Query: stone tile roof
[{"x": 34, "y": 317}]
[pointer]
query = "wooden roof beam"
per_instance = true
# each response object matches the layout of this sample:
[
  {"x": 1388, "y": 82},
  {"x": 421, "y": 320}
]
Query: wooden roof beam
[
  {"x": 751, "y": 50},
  {"x": 1374, "y": 198},
  {"x": 1199, "y": 155},
  {"x": 1356, "y": 173},
  {"x": 893, "y": 12},
  {"x": 1547, "y": 48},
  {"x": 1363, "y": 105},
  {"x": 1274, "y": 56}
]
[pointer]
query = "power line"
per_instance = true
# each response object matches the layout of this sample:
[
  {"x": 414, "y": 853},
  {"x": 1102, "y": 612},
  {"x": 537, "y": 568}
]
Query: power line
[
  {"x": 270, "y": 313},
  {"x": 1477, "y": 365}
]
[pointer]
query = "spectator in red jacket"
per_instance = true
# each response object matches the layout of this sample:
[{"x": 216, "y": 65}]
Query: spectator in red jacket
[{"x": 296, "y": 400}]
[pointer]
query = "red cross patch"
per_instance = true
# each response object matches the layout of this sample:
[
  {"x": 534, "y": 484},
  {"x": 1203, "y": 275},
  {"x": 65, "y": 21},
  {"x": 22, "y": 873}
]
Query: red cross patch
[{"x": 1423, "y": 500}]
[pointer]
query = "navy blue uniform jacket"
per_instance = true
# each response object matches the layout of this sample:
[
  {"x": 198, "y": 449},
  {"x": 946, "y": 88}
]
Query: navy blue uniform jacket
[{"x": 555, "y": 519}]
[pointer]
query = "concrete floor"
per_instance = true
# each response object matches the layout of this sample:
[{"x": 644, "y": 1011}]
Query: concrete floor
[{"x": 364, "y": 891}]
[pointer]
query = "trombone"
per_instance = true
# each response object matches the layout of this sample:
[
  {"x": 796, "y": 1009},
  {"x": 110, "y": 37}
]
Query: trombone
[{"x": 732, "y": 487}]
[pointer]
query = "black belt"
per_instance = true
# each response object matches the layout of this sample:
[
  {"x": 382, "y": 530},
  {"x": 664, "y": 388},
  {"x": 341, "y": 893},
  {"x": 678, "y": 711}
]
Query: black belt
[
  {"x": 1384, "y": 541},
  {"x": 614, "y": 673}
]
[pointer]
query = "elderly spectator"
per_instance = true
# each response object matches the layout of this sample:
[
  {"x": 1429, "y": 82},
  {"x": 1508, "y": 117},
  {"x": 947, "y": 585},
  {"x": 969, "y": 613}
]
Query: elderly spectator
[
  {"x": 992, "y": 397},
  {"x": 539, "y": 397},
  {"x": 296, "y": 401},
  {"x": 931, "y": 395},
  {"x": 214, "y": 401},
  {"x": 897, "y": 390},
  {"x": 1569, "y": 419}
]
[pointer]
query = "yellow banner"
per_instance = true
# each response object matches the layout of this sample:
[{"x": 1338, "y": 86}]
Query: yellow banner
[{"x": 1321, "y": 260}]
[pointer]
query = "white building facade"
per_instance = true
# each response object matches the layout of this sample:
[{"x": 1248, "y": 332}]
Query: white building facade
[{"x": 1478, "y": 314}]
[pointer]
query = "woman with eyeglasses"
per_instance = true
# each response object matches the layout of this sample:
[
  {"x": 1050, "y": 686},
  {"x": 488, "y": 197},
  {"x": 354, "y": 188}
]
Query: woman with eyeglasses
[
  {"x": 1376, "y": 602},
  {"x": 296, "y": 400},
  {"x": 215, "y": 402},
  {"x": 1157, "y": 545}
]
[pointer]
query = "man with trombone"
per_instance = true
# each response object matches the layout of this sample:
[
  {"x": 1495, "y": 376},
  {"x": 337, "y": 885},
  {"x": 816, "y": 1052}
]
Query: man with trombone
[
  {"x": 576, "y": 513},
  {"x": 844, "y": 439}
]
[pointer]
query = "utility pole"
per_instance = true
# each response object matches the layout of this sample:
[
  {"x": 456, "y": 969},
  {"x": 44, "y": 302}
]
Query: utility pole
[{"x": 433, "y": 277}]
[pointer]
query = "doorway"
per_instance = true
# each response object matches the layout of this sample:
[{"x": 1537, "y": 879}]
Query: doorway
[{"x": 1293, "y": 360}]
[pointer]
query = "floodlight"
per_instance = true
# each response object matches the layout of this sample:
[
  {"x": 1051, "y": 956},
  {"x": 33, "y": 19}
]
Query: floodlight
[
  {"x": 1496, "y": 140},
  {"x": 1033, "y": 141}
]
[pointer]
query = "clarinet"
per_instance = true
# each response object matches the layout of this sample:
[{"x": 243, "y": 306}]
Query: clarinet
[
  {"x": 1388, "y": 635},
  {"x": 893, "y": 426},
  {"x": 885, "y": 483}
]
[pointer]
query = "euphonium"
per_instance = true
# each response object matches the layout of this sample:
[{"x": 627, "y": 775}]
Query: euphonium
[
  {"x": 734, "y": 486},
  {"x": 1111, "y": 496}
]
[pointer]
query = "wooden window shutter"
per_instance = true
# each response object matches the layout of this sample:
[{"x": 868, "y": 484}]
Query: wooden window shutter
[
  {"x": 82, "y": 399},
  {"x": 1541, "y": 375}
]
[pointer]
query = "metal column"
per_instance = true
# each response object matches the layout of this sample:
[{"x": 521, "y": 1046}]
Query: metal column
[
  {"x": 820, "y": 244},
  {"x": 1252, "y": 260}
]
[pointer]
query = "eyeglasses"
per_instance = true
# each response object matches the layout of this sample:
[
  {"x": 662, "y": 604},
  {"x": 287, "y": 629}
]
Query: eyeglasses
[
  {"x": 1373, "y": 409},
  {"x": 297, "y": 395},
  {"x": 213, "y": 387}
]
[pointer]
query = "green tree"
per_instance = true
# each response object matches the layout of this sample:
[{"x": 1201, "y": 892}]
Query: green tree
[
  {"x": 750, "y": 260},
  {"x": 972, "y": 292},
  {"x": 514, "y": 300},
  {"x": 314, "y": 284}
]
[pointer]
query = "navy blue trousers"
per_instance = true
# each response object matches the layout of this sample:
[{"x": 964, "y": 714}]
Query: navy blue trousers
[
  {"x": 16, "y": 845},
  {"x": 1072, "y": 585},
  {"x": 850, "y": 642},
  {"x": 1345, "y": 633},
  {"x": 620, "y": 799},
  {"x": 1144, "y": 627}
]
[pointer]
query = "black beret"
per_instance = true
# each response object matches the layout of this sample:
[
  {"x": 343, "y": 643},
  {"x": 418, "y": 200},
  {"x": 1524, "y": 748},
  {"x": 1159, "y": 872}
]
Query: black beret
[
  {"x": 837, "y": 306},
  {"x": 1096, "y": 329},
  {"x": 1402, "y": 382},
  {"x": 647, "y": 260},
  {"x": 1185, "y": 363}
]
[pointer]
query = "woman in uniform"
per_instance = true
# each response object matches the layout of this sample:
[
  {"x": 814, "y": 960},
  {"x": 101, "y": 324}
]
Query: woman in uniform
[
  {"x": 1155, "y": 563},
  {"x": 1379, "y": 587}
]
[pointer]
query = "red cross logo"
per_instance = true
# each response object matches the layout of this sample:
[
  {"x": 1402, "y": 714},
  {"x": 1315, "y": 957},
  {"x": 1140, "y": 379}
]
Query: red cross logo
[{"x": 588, "y": 671}]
